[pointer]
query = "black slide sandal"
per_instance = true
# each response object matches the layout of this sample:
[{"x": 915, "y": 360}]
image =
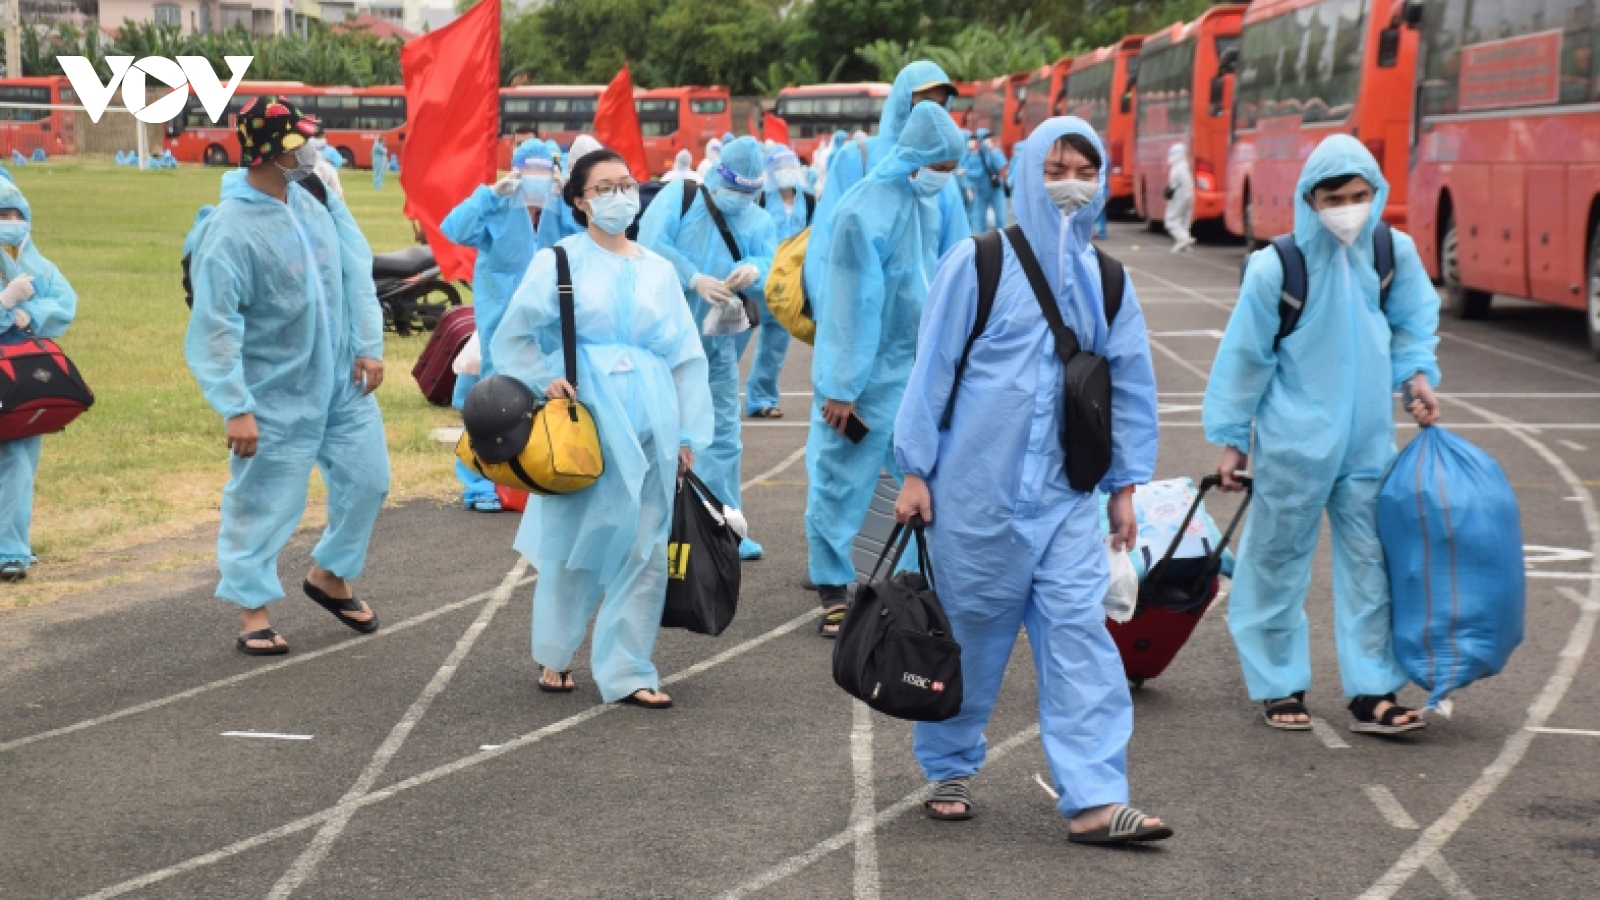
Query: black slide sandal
[
  {"x": 1127, "y": 827},
  {"x": 634, "y": 699},
  {"x": 1292, "y": 705},
  {"x": 567, "y": 685},
  {"x": 1368, "y": 722},
  {"x": 340, "y": 607},
  {"x": 265, "y": 634},
  {"x": 951, "y": 791}
]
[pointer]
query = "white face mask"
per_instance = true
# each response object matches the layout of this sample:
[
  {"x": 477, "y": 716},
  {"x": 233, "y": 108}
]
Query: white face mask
[
  {"x": 1346, "y": 222},
  {"x": 930, "y": 181},
  {"x": 1071, "y": 195},
  {"x": 787, "y": 177}
]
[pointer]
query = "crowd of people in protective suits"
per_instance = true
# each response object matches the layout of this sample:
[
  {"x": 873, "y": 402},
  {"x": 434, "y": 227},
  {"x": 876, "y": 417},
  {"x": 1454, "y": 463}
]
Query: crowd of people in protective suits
[{"x": 286, "y": 344}]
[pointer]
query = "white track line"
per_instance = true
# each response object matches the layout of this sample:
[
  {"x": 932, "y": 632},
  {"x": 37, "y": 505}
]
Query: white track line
[
  {"x": 865, "y": 805},
  {"x": 295, "y": 660},
  {"x": 306, "y": 864},
  {"x": 467, "y": 762},
  {"x": 1432, "y": 840},
  {"x": 801, "y": 861},
  {"x": 1581, "y": 732},
  {"x": 1529, "y": 360},
  {"x": 1182, "y": 289},
  {"x": 1577, "y": 597},
  {"x": 1170, "y": 354},
  {"x": 778, "y": 469},
  {"x": 1327, "y": 734},
  {"x": 1397, "y": 816},
  {"x": 273, "y": 735}
]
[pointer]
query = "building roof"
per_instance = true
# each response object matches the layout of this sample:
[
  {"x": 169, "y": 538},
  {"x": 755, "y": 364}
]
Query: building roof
[{"x": 380, "y": 27}]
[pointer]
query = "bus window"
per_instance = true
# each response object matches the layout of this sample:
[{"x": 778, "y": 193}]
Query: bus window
[
  {"x": 24, "y": 95},
  {"x": 1166, "y": 82},
  {"x": 1305, "y": 63},
  {"x": 1088, "y": 92},
  {"x": 712, "y": 107}
]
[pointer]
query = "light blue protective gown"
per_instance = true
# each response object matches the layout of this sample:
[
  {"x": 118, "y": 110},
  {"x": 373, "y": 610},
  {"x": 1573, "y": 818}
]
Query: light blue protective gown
[
  {"x": 380, "y": 163},
  {"x": 1323, "y": 416},
  {"x": 642, "y": 374},
  {"x": 1012, "y": 544},
  {"x": 273, "y": 336},
  {"x": 694, "y": 246},
  {"x": 761, "y": 388},
  {"x": 51, "y": 310},
  {"x": 845, "y": 169},
  {"x": 988, "y": 198},
  {"x": 501, "y": 230},
  {"x": 885, "y": 249}
]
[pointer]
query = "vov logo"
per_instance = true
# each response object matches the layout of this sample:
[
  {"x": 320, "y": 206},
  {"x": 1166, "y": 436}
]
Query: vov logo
[{"x": 191, "y": 71}]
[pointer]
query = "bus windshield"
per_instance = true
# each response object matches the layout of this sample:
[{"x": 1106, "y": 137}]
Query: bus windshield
[
  {"x": 1089, "y": 94},
  {"x": 546, "y": 115},
  {"x": 1304, "y": 64},
  {"x": 1166, "y": 82},
  {"x": 657, "y": 118},
  {"x": 814, "y": 115}
]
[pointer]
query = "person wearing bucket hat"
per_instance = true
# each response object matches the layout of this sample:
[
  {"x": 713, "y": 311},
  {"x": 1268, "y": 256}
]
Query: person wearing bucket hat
[{"x": 286, "y": 343}]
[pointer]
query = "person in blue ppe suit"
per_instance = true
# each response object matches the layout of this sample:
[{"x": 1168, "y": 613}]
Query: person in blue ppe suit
[
  {"x": 380, "y": 162},
  {"x": 498, "y": 221},
  {"x": 883, "y": 254},
  {"x": 558, "y": 221},
  {"x": 602, "y": 552},
  {"x": 35, "y": 301},
  {"x": 286, "y": 342},
  {"x": 985, "y": 167},
  {"x": 819, "y": 161},
  {"x": 1011, "y": 542},
  {"x": 917, "y": 82},
  {"x": 790, "y": 206},
  {"x": 712, "y": 280},
  {"x": 1319, "y": 406}
]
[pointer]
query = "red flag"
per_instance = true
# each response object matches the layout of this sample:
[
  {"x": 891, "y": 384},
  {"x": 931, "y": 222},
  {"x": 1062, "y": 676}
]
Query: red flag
[
  {"x": 777, "y": 130},
  {"x": 452, "y": 79},
  {"x": 616, "y": 124}
]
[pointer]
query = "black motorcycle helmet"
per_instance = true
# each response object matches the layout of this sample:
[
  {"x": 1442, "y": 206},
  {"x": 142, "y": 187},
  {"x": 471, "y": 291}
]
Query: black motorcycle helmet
[{"x": 498, "y": 416}]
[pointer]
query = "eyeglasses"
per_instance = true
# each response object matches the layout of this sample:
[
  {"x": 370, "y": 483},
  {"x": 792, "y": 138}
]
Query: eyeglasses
[{"x": 606, "y": 189}]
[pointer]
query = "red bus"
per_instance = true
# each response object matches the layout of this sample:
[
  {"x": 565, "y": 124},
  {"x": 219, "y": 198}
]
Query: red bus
[
  {"x": 1045, "y": 95},
  {"x": 27, "y": 130},
  {"x": 1010, "y": 131},
  {"x": 988, "y": 106},
  {"x": 680, "y": 118},
  {"x": 556, "y": 112},
  {"x": 1102, "y": 90},
  {"x": 815, "y": 111},
  {"x": 961, "y": 106},
  {"x": 1183, "y": 99},
  {"x": 1506, "y": 184},
  {"x": 1309, "y": 69},
  {"x": 351, "y": 119}
]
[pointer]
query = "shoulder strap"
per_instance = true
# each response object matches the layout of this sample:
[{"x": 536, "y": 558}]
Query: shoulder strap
[
  {"x": 1113, "y": 282},
  {"x": 1066, "y": 342},
  {"x": 722, "y": 226},
  {"x": 569, "y": 316},
  {"x": 689, "y": 190},
  {"x": 811, "y": 205},
  {"x": 1292, "y": 298},
  {"x": 989, "y": 258},
  {"x": 1383, "y": 261}
]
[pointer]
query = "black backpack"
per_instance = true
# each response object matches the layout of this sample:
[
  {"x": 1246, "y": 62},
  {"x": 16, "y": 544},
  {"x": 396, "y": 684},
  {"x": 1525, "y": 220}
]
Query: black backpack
[
  {"x": 1292, "y": 299},
  {"x": 1086, "y": 421},
  {"x": 311, "y": 183}
]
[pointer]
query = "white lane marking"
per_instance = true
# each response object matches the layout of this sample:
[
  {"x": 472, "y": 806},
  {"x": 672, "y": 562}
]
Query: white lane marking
[
  {"x": 1570, "y": 445},
  {"x": 1327, "y": 734},
  {"x": 1201, "y": 333},
  {"x": 1583, "y": 732},
  {"x": 1529, "y": 360},
  {"x": 1039, "y": 780},
  {"x": 467, "y": 762},
  {"x": 488, "y": 746},
  {"x": 1386, "y": 803},
  {"x": 801, "y": 861},
  {"x": 1170, "y": 408},
  {"x": 1183, "y": 289},
  {"x": 866, "y": 803},
  {"x": 1191, "y": 367},
  {"x": 298, "y": 658},
  {"x": 776, "y": 470},
  {"x": 1433, "y": 839},
  {"x": 1454, "y": 887},
  {"x": 1566, "y": 576},
  {"x": 273, "y": 735},
  {"x": 1583, "y": 602},
  {"x": 306, "y": 864}
]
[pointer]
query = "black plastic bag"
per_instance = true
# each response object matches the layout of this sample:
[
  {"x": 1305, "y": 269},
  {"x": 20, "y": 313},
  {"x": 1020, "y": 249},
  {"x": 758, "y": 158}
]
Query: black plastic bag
[
  {"x": 702, "y": 562},
  {"x": 895, "y": 651}
]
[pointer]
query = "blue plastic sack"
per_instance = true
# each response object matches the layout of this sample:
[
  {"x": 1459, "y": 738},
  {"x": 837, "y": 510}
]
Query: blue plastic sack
[{"x": 1453, "y": 540}]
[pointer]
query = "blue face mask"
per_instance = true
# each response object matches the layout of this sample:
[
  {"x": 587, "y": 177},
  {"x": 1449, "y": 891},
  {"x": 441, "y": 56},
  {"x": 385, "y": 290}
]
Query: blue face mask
[
  {"x": 534, "y": 190},
  {"x": 929, "y": 182},
  {"x": 13, "y": 234},
  {"x": 732, "y": 202},
  {"x": 614, "y": 213}
]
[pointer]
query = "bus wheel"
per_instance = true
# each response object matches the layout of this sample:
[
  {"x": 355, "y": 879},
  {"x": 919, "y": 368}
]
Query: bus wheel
[
  {"x": 349, "y": 158},
  {"x": 1594, "y": 293},
  {"x": 216, "y": 156},
  {"x": 1467, "y": 304}
]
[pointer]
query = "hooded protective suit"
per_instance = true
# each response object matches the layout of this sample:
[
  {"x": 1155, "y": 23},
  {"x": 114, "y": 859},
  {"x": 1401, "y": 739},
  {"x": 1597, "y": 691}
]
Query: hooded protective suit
[
  {"x": 1012, "y": 544},
  {"x": 845, "y": 169},
  {"x": 1322, "y": 412},
  {"x": 556, "y": 222},
  {"x": 761, "y": 388},
  {"x": 694, "y": 246},
  {"x": 47, "y": 313},
  {"x": 885, "y": 249},
  {"x": 681, "y": 168},
  {"x": 1180, "y": 206},
  {"x": 501, "y": 229},
  {"x": 380, "y": 162},
  {"x": 642, "y": 374},
  {"x": 272, "y": 336},
  {"x": 713, "y": 154},
  {"x": 984, "y": 167}
]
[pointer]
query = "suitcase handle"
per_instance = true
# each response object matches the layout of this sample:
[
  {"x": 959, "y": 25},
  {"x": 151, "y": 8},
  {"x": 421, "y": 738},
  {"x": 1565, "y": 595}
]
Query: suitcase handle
[{"x": 1207, "y": 484}]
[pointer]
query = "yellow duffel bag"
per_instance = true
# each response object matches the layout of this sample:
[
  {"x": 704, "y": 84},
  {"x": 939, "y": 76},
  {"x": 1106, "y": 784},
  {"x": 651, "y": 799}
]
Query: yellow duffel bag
[{"x": 786, "y": 289}]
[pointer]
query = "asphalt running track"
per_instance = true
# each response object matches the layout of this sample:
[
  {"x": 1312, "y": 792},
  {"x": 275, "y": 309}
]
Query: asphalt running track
[{"x": 140, "y": 756}]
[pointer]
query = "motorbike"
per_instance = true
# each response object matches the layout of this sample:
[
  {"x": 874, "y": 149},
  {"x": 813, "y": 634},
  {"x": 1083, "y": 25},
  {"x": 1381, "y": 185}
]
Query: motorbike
[{"x": 410, "y": 289}]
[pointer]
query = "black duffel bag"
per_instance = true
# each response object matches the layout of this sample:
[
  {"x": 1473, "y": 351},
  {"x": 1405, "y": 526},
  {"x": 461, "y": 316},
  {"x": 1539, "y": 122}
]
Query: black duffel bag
[
  {"x": 895, "y": 651},
  {"x": 702, "y": 562}
]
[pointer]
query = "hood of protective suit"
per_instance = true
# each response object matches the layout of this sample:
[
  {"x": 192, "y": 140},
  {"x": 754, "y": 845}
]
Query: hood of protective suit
[
  {"x": 839, "y": 137},
  {"x": 11, "y": 198},
  {"x": 781, "y": 157},
  {"x": 897, "y": 108},
  {"x": 583, "y": 146},
  {"x": 743, "y": 157},
  {"x": 1038, "y": 215},
  {"x": 713, "y": 148},
  {"x": 1338, "y": 155},
  {"x": 532, "y": 148},
  {"x": 1176, "y": 154},
  {"x": 930, "y": 136},
  {"x": 683, "y": 162}
]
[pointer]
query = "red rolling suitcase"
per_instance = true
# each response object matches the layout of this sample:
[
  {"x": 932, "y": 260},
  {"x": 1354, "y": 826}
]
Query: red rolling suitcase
[
  {"x": 1173, "y": 597},
  {"x": 433, "y": 370}
]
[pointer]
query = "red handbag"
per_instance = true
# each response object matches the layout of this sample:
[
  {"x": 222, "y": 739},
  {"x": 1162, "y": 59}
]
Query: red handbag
[{"x": 41, "y": 391}]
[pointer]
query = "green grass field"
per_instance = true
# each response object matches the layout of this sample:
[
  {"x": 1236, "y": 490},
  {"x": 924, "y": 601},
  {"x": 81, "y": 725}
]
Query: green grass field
[{"x": 149, "y": 460}]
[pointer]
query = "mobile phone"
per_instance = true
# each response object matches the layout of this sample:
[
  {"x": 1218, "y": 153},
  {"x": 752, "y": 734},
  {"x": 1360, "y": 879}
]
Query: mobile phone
[{"x": 855, "y": 429}]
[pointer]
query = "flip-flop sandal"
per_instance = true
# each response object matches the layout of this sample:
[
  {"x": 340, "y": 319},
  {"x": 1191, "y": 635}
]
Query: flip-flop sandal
[
  {"x": 1127, "y": 827},
  {"x": 265, "y": 634},
  {"x": 634, "y": 699},
  {"x": 769, "y": 412},
  {"x": 1367, "y": 722},
  {"x": 13, "y": 572},
  {"x": 340, "y": 607},
  {"x": 832, "y": 618},
  {"x": 566, "y": 686},
  {"x": 1292, "y": 705},
  {"x": 951, "y": 791}
]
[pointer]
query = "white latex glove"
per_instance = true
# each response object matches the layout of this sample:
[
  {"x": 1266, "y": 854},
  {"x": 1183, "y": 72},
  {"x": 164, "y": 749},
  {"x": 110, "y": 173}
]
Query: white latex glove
[
  {"x": 711, "y": 290},
  {"x": 20, "y": 289},
  {"x": 725, "y": 318},
  {"x": 507, "y": 186},
  {"x": 742, "y": 277},
  {"x": 21, "y": 318}
]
